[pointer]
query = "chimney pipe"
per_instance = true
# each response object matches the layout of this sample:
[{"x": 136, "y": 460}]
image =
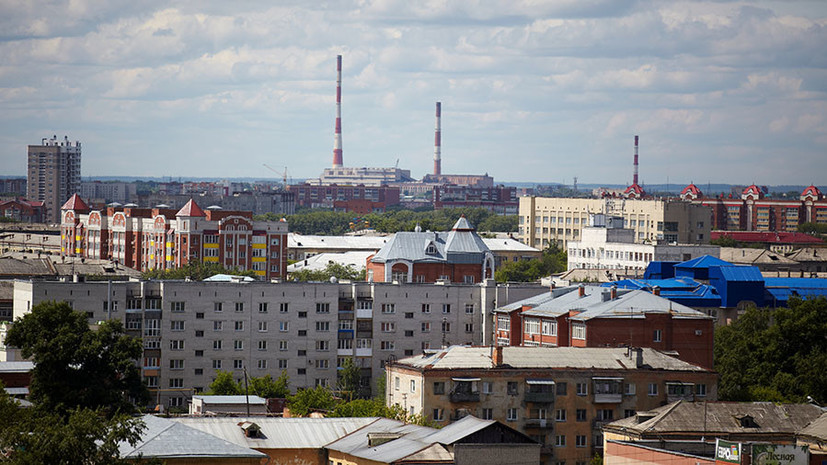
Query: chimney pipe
[
  {"x": 337, "y": 133},
  {"x": 438, "y": 141},
  {"x": 498, "y": 356},
  {"x": 581, "y": 290},
  {"x": 634, "y": 178},
  {"x": 613, "y": 291},
  {"x": 656, "y": 290}
]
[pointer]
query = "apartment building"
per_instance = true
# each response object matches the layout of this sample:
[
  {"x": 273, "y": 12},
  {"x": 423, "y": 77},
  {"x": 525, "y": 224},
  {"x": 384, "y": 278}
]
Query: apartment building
[
  {"x": 53, "y": 174},
  {"x": 163, "y": 238},
  {"x": 191, "y": 329},
  {"x": 544, "y": 221},
  {"x": 559, "y": 396}
]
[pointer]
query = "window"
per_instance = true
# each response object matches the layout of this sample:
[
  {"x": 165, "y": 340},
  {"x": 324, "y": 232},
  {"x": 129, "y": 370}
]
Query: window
[
  {"x": 487, "y": 387},
  {"x": 216, "y": 364},
  {"x": 396, "y": 383},
  {"x": 657, "y": 335},
  {"x": 503, "y": 323},
  {"x": 218, "y": 307},
  {"x": 582, "y": 389},
  {"x": 176, "y": 401},
  {"x": 413, "y": 385},
  {"x": 217, "y": 325},
  {"x": 426, "y": 327},
  {"x": 487, "y": 414},
  {"x": 446, "y": 308},
  {"x": 560, "y": 415},
  {"x": 239, "y": 307},
  {"x": 322, "y": 346},
  {"x": 511, "y": 415},
  {"x": 199, "y": 316},
  {"x": 438, "y": 414},
  {"x": 261, "y": 364},
  {"x": 628, "y": 413},
  {"x": 239, "y": 326},
  {"x": 446, "y": 327},
  {"x": 282, "y": 364},
  {"x": 302, "y": 353},
  {"x": 322, "y": 326},
  {"x": 532, "y": 326},
  {"x": 387, "y": 327},
  {"x": 176, "y": 344},
  {"x": 177, "y": 307},
  {"x": 238, "y": 364},
  {"x": 216, "y": 345},
  {"x": 629, "y": 389},
  {"x": 322, "y": 364},
  {"x": 387, "y": 345},
  {"x": 262, "y": 307},
  {"x": 578, "y": 331},
  {"x": 322, "y": 307},
  {"x": 262, "y": 326},
  {"x": 562, "y": 388},
  {"x": 469, "y": 309},
  {"x": 176, "y": 383},
  {"x": 409, "y": 315},
  {"x": 700, "y": 390},
  {"x": 409, "y": 333},
  {"x": 581, "y": 414},
  {"x": 283, "y": 307},
  {"x": 199, "y": 353},
  {"x": 560, "y": 440},
  {"x": 439, "y": 387},
  {"x": 653, "y": 389},
  {"x": 512, "y": 388},
  {"x": 549, "y": 328},
  {"x": 605, "y": 414},
  {"x": 151, "y": 381},
  {"x": 388, "y": 308},
  {"x": 176, "y": 325},
  {"x": 302, "y": 314},
  {"x": 176, "y": 364},
  {"x": 284, "y": 326},
  {"x": 426, "y": 308},
  {"x": 282, "y": 345},
  {"x": 580, "y": 440},
  {"x": 238, "y": 344},
  {"x": 262, "y": 345},
  {"x": 469, "y": 327}
]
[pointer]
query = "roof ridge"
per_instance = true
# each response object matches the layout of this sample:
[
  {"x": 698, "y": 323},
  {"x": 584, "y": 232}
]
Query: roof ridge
[{"x": 662, "y": 415}]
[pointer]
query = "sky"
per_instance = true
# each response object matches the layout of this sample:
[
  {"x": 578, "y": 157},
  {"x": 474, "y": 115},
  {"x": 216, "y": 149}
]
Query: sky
[{"x": 531, "y": 90}]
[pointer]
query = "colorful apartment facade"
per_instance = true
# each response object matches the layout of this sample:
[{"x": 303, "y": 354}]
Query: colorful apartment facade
[{"x": 163, "y": 238}]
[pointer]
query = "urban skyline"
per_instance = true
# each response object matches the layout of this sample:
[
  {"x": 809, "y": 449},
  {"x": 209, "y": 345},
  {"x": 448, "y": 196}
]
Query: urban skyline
[{"x": 531, "y": 92}]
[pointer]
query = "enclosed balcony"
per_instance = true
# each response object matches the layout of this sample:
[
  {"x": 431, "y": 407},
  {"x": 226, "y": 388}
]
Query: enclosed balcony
[
  {"x": 539, "y": 423},
  {"x": 539, "y": 391},
  {"x": 465, "y": 390},
  {"x": 680, "y": 391}
]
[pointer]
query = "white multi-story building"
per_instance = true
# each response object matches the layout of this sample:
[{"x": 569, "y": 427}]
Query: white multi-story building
[{"x": 192, "y": 329}]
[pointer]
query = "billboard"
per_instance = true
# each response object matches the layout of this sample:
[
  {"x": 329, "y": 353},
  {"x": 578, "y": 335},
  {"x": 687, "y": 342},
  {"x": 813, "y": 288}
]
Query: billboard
[
  {"x": 727, "y": 452},
  {"x": 773, "y": 454}
]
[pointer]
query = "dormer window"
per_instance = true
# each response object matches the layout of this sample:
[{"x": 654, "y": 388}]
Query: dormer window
[
  {"x": 747, "y": 422},
  {"x": 431, "y": 249}
]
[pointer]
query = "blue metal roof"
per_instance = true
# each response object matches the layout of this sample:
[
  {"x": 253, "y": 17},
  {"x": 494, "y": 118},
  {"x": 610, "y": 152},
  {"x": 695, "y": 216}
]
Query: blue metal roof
[
  {"x": 740, "y": 273},
  {"x": 703, "y": 262}
]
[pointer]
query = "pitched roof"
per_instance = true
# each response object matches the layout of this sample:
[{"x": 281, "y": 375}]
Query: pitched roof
[
  {"x": 813, "y": 191},
  {"x": 75, "y": 203},
  {"x": 191, "y": 209},
  {"x": 164, "y": 438},
  {"x": 753, "y": 256},
  {"x": 712, "y": 418},
  {"x": 817, "y": 428},
  {"x": 455, "y": 246},
  {"x": 462, "y": 224},
  {"x": 704, "y": 261},
  {"x": 605, "y": 358}
]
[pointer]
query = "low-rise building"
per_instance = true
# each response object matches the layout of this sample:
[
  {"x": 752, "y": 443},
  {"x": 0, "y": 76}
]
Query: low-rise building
[
  {"x": 232, "y": 405},
  {"x": 20, "y": 209},
  {"x": 561, "y": 397},
  {"x": 592, "y": 316}
]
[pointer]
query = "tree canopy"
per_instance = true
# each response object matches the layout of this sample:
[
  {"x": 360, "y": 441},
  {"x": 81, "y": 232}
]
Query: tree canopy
[
  {"x": 332, "y": 270},
  {"x": 776, "y": 354},
  {"x": 554, "y": 260},
  {"x": 76, "y": 366},
  {"x": 264, "y": 386},
  {"x": 196, "y": 270}
]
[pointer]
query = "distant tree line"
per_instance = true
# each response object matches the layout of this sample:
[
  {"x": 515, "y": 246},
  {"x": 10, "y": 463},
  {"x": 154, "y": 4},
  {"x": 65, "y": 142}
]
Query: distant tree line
[{"x": 331, "y": 223}]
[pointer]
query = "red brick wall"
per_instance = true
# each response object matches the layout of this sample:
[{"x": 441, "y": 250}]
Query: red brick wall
[{"x": 627, "y": 454}]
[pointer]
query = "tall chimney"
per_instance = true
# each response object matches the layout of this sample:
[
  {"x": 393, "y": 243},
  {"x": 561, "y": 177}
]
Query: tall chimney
[
  {"x": 634, "y": 178},
  {"x": 337, "y": 136},
  {"x": 438, "y": 141}
]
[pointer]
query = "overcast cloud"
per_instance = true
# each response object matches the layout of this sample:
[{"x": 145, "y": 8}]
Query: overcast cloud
[{"x": 542, "y": 91}]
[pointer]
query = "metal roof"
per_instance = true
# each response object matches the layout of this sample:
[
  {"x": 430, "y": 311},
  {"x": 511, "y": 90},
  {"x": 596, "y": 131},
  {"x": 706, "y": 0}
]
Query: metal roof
[
  {"x": 354, "y": 258},
  {"x": 278, "y": 433},
  {"x": 164, "y": 438},
  {"x": 233, "y": 400},
  {"x": 817, "y": 428},
  {"x": 301, "y": 241},
  {"x": 453, "y": 246},
  {"x": 507, "y": 245},
  {"x": 702, "y": 262},
  {"x": 740, "y": 273},
  {"x": 610, "y": 358},
  {"x": 16, "y": 367}
]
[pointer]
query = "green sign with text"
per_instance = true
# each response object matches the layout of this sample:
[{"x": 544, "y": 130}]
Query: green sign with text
[
  {"x": 772, "y": 454},
  {"x": 729, "y": 452}
]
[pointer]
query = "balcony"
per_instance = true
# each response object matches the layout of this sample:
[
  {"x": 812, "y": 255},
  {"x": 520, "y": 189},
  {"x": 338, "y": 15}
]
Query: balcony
[
  {"x": 539, "y": 423},
  {"x": 364, "y": 313},
  {"x": 465, "y": 397},
  {"x": 608, "y": 390},
  {"x": 540, "y": 397},
  {"x": 539, "y": 391}
]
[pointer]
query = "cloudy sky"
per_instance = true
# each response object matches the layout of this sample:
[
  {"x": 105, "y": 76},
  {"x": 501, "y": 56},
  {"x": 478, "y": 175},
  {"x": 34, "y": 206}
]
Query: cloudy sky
[{"x": 532, "y": 90}]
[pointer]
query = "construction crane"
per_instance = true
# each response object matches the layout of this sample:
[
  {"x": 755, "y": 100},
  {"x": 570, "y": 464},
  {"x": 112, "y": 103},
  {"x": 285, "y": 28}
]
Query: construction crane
[{"x": 282, "y": 174}]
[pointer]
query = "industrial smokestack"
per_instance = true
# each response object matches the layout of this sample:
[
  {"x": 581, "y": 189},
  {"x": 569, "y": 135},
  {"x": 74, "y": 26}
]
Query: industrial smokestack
[
  {"x": 337, "y": 136},
  {"x": 438, "y": 141},
  {"x": 634, "y": 178}
]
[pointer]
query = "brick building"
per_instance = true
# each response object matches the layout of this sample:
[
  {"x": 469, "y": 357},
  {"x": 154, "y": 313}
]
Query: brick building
[
  {"x": 590, "y": 316},
  {"x": 360, "y": 199},
  {"x": 499, "y": 199},
  {"x": 19, "y": 209},
  {"x": 559, "y": 396},
  {"x": 162, "y": 238},
  {"x": 459, "y": 255}
]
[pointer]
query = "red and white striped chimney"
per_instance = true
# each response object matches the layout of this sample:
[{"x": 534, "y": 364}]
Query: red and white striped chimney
[
  {"x": 438, "y": 141},
  {"x": 634, "y": 178},
  {"x": 337, "y": 136}
]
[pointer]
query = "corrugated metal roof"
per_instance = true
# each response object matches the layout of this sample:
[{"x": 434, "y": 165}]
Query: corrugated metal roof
[
  {"x": 278, "y": 433},
  {"x": 453, "y": 246},
  {"x": 507, "y": 245},
  {"x": 740, "y": 273},
  {"x": 702, "y": 262},
  {"x": 301, "y": 241},
  {"x": 16, "y": 367},
  {"x": 164, "y": 438},
  {"x": 610, "y": 358},
  {"x": 234, "y": 400}
]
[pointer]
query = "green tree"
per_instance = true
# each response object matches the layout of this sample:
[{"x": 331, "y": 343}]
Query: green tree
[
  {"x": 813, "y": 228},
  {"x": 349, "y": 377},
  {"x": 775, "y": 354},
  {"x": 196, "y": 270},
  {"x": 336, "y": 270},
  {"x": 268, "y": 388},
  {"x": 553, "y": 260},
  {"x": 308, "y": 400},
  {"x": 76, "y": 366},
  {"x": 225, "y": 385}
]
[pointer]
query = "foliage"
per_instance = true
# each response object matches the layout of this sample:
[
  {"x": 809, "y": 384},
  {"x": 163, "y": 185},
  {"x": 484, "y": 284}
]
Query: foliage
[
  {"x": 376, "y": 408},
  {"x": 391, "y": 221},
  {"x": 196, "y": 270},
  {"x": 349, "y": 377},
  {"x": 596, "y": 460},
  {"x": 813, "y": 228},
  {"x": 76, "y": 366},
  {"x": 308, "y": 400},
  {"x": 336, "y": 270},
  {"x": 80, "y": 436},
  {"x": 264, "y": 386},
  {"x": 725, "y": 241},
  {"x": 554, "y": 260},
  {"x": 775, "y": 354}
]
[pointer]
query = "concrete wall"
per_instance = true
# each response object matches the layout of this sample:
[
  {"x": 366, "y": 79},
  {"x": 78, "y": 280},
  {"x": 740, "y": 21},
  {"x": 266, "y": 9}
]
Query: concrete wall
[{"x": 496, "y": 454}]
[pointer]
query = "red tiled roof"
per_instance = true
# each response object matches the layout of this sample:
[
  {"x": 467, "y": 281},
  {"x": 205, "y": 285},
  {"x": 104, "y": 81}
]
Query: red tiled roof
[
  {"x": 767, "y": 236},
  {"x": 692, "y": 189},
  {"x": 75, "y": 203},
  {"x": 812, "y": 190},
  {"x": 191, "y": 209}
]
